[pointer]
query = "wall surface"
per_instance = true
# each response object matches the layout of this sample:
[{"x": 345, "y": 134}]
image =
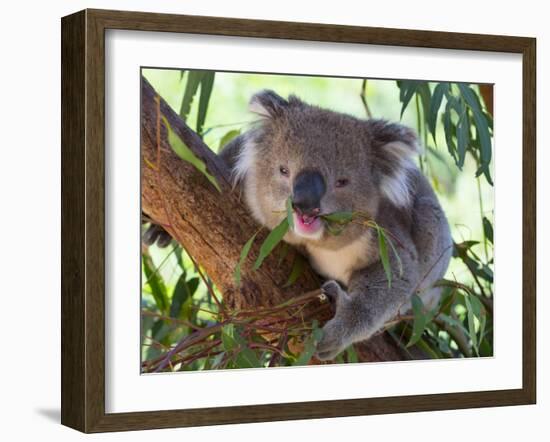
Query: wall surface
[{"x": 30, "y": 183}]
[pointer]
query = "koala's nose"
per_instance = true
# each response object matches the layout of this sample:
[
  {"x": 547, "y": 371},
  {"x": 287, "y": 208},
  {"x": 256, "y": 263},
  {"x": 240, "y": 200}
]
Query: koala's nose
[{"x": 309, "y": 188}]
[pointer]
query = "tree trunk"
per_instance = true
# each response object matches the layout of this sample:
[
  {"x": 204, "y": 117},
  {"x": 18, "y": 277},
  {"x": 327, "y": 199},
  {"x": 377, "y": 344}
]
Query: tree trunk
[{"x": 214, "y": 226}]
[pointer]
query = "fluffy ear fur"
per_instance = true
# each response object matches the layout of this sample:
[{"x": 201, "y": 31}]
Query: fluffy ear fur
[
  {"x": 267, "y": 104},
  {"x": 394, "y": 145},
  {"x": 245, "y": 159}
]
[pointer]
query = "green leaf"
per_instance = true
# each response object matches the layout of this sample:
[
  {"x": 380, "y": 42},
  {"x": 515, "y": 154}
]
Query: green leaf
[
  {"x": 229, "y": 136},
  {"x": 485, "y": 155},
  {"x": 179, "y": 296},
  {"x": 274, "y": 237},
  {"x": 470, "y": 97},
  {"x": 160, "y": 330},
  {"x": 397, "y": 257},
  {"x": 244, "y": 254},
  {"x": 297, "y": 269},
  {"x": 488, "y": 229},
  {"x": 435, "y": 104},
  {"x": 462, "y": 136},
  {"x": 471, "y": 322},
  {"x": 338, "y": 217},
  {"x": 420, "y": 320},
  {"x": 207, "y": 83},
  {"x": 310, "y": 345},
  {"x": 334, "y": 230},
  {"x": 383, "y": 250},
  {"x": 155, "y": 282},
  {"x": 407, "y": 91},
  {"x": 193, "y": 81},
  {"x": 351, "y": 354},
  {"x": 479, "y": 312},
  {"x": 284, "y": 249},
  {"x": 423, "y": 90},
  {"x": 448, "y": 127},
  {"x": 290, "y": 213},
  {"x": 187, "y": 154},
  {"x": 179, "y": 257},
  {"x": 482, "y": 129},
  {"x": 182, "y": 294},
  {"x": 233, "y": 342},
  {"x": 335, "y": 222}
]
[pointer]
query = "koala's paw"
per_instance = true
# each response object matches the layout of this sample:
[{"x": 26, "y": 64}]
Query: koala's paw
[
  {"x": 336, "y": 331},
  {"x": 334, "y": 340},
  {"x": 156, "y": 234},
  {"x": 334, "y": 292}
]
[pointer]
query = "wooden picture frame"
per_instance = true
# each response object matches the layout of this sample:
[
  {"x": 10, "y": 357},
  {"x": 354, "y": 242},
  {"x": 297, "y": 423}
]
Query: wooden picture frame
[{"x": 83, "y": 220}]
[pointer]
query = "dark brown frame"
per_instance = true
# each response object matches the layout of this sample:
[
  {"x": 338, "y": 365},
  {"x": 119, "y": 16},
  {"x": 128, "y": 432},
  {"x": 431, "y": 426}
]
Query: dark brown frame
[{"x": 83, "y": 215}]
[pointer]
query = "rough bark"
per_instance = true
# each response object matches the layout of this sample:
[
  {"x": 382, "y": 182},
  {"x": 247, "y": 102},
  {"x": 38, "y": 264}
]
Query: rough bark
[{"x": 214, "y": 226}]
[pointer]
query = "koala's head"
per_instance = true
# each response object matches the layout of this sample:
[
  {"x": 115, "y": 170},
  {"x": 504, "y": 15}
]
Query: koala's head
[{"x": 325, "y": 161}]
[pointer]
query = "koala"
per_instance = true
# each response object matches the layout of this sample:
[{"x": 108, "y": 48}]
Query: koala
[{"x": 332, "y": 162}]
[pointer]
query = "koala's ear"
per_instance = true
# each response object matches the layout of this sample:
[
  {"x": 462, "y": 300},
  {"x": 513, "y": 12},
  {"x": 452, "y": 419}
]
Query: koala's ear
[
  {"x": 394, "y": 145},
  {"x": 267, "y": 104}
]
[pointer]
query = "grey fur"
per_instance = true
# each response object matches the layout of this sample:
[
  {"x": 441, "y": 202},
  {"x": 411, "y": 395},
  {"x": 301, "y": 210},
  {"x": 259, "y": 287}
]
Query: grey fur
[{"x": 384, "y": 183}]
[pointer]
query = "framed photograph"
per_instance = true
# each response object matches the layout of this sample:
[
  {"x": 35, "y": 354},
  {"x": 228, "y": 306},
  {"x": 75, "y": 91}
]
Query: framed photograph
[{"x": 268, "y": 220}]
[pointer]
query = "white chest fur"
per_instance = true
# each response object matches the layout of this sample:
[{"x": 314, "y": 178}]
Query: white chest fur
[{"x": 341, "y": 263}]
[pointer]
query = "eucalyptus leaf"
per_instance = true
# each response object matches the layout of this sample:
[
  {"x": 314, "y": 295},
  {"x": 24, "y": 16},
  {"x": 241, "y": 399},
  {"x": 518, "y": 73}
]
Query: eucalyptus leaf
[
  {"x": 338, "y": 217},
  {"x": 420, "y": 320},
  {"x": 482, "y": 125},
  {"x": 462, "y": 136},
  {"x": 488, "y": 229},
  {"x": 448, "y": 128},
  {"x": 283, "y": 252},
  {"x": 484, "y": 136},
  {"x": 383, "y": 250},
  {"x": 179, "y": 296},
  {"x": 207, "y": 83},
  {"x": 290, "y": 213},
  {"x": 435, "y": 104},
  {"x": 155, "y": 282},
  {"x": 229, "y": 136},
  {"x": 310, "y": 345},
  {"x": 274, "y": 237},
  {"x": 244, "y": 253},
  {"x": 193, "y": 81},
  {"x": 232, "y": 341},
  {"x": 407, "y": 91},
  {"x": 471, "y": 322},
  {"x": 423, "y": 90},
  {"x": 297, "y": 269},
  {"x": 187, "y": 154}
]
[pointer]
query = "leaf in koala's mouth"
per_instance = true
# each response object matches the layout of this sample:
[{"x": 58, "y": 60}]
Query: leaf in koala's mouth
[
  {"x": 336, "y": 222},
  {"x": 338, "y": 217}
]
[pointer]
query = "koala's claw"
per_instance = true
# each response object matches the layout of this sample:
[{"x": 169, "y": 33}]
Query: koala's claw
[{"x": 333, "y": 291}]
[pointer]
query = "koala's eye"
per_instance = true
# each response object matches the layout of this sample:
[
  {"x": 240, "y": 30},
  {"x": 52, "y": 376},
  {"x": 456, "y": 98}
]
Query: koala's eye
[
  {"x": 342, "y": 182},
  {"x": 284, "y": 171}
]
